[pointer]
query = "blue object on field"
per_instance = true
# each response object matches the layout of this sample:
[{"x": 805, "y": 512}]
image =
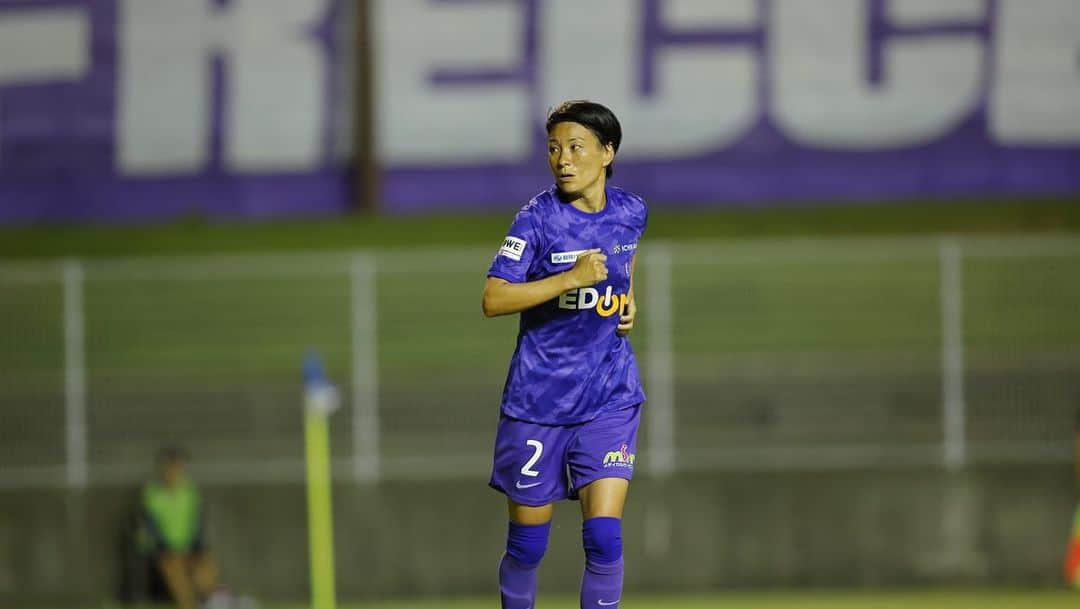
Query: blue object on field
[
  {"x": 314, "y": 371},
  {"x": 319, "y": 393}
]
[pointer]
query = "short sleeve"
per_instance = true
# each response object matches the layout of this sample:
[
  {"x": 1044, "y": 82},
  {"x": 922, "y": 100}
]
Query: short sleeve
[
  {"x": 641, "y": 215},
  {"x": 519, "y": 248}
]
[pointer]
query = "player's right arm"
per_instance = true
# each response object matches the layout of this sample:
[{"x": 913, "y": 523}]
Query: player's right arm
[{"x": 502, "y": 297}]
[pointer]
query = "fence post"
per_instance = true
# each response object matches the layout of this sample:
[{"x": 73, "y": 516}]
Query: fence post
[
  {"x": 365, "y": 371},
  {"x": 75, "y": 444},
  {"x": 952, "y": 354},
  {"x": 660, "y": 412}
]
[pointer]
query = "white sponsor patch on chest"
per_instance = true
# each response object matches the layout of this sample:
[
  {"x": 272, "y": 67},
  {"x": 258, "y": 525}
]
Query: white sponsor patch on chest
[
  {"x": 512, "y": 248},
  {"x": 565, "y": 257}
]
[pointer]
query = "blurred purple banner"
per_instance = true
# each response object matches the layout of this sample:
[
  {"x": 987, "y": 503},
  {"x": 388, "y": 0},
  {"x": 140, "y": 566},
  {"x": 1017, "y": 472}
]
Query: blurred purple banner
[
  {"x": 143, "y": 109},
  {"x": 735, "y": 102}
]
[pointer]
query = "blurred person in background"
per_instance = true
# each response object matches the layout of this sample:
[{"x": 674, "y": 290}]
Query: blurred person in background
[
  {"x": 174, "y": 520},
  {"x": 572, "y": 400},
  {"x": 1072, "y": 556}
]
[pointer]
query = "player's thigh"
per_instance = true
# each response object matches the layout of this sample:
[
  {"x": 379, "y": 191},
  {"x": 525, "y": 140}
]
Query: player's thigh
[
  {"x": 171, "y": 563},
  {"x": 604, "y": 497},
  {"x": 530, "y": 463},
  {"x": 204, "y": 570},
  {"x": 529, "y": 514}
]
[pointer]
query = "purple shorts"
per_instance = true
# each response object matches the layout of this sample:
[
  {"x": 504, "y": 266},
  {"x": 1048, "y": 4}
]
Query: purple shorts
[{"x": 539, "y": 464}]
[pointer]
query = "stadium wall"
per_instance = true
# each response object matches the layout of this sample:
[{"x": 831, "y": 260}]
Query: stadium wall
[{"x": 1004, "y": 526}]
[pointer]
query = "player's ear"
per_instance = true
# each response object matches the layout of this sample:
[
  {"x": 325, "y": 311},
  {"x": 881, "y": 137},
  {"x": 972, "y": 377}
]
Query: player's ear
[{"x": 609, "y": 154}]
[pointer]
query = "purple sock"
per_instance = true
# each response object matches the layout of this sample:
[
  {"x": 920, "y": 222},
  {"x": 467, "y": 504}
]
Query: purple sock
[
  {"x": 525, "y": 546},
  {"x": 601, "y": 585}
]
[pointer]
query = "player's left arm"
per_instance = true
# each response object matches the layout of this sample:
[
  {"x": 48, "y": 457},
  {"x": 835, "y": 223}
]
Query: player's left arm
[{"x": 629, "y": 314}]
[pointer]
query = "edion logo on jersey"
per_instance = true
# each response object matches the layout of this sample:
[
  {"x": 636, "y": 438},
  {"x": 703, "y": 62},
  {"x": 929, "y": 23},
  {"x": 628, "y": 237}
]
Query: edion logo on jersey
[
  {"x": 590, "y": 298},
  {"x": 512, "y": 248}
]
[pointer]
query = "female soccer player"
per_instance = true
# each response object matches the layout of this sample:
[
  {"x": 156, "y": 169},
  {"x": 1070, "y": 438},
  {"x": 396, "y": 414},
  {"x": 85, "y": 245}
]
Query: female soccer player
[{"x": 570, "y": 406}]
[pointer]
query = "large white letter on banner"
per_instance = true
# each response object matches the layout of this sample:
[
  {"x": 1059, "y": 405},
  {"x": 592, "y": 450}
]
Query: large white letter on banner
[
  {"x": 1036, "y": 98},
  {"x": 43, "y": 45},
  {"x": 474, "y": 118},
  {"x": 275, "y": 84},
  {"x": 705, "y": 94},
  {"x": 822, "y": 94}
]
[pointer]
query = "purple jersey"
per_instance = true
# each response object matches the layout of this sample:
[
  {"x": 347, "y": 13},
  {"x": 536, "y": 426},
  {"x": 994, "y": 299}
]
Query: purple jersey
[{"x": 569, "y": 364}]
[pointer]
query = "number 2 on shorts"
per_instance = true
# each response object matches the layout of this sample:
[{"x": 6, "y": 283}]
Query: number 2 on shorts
[{"x": 538, "y": 449}]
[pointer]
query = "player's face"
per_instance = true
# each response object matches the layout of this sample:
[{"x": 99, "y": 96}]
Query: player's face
[
  {"x": 576, "y": 157},
  {"x": 172, "y": 471}
]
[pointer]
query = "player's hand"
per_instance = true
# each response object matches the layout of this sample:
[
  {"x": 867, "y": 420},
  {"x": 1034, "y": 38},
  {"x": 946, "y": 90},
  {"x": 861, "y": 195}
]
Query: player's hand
[
  {"x": 589, "y": 270},
  {"x": 626, "y": 319}
]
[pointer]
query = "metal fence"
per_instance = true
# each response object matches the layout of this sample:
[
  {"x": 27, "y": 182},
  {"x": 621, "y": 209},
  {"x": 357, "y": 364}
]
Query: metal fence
[{"x": 779, "y": 354}]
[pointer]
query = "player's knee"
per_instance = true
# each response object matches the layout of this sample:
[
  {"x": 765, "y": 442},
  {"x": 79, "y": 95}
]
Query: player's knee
[
  {"x": 602, "y": 538},
  {"x": 527, "y": 543}
]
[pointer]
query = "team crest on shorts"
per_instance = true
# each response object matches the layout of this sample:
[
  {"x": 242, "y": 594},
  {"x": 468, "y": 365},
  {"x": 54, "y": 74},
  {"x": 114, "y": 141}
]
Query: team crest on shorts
[{"x": 619, "y": 458}]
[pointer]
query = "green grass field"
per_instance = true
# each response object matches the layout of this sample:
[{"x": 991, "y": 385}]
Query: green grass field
[
  {"x": 948, "y": 599},
  {"x": 1006, "y": 598},
  {"x": 196, "y": 235}
]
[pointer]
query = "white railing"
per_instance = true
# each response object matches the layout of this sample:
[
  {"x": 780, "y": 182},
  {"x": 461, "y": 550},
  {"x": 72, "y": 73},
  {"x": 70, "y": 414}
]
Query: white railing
[{"x": 144, "y": 345}]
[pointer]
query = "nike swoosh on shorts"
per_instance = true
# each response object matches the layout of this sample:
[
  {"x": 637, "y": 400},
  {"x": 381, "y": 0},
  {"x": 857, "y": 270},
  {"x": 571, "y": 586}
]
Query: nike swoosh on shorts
[{"x": 525, "y": 486}]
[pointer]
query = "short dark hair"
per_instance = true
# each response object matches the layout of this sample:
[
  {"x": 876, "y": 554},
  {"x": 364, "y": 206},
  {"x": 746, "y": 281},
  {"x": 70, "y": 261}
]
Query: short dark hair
[
  {"x": 171, "y": 454},
  {"x": 594, "y": 117}
]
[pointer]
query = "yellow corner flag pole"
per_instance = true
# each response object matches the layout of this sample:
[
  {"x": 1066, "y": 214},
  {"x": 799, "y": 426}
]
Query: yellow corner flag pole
[{"x": 320, "y": 401}]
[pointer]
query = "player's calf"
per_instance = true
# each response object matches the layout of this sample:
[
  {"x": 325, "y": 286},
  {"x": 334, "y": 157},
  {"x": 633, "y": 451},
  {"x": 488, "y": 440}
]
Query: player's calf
[
  {"x": 526, "y": 545},
  {"x": 601, "y": 584}
]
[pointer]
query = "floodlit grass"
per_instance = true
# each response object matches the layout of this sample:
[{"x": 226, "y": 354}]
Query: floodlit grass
[
  {"x": 351, "y": 232},
  {"x": 914, "y": 599},
  {"x": 788, "y": 599}
]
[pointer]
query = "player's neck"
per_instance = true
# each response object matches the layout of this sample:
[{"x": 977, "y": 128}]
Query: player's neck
[{"x": 592, "y": 199}]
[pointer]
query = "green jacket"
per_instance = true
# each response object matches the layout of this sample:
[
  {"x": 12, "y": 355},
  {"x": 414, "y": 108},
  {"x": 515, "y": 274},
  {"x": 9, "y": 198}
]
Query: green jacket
[{"x": 173, "y": 516}]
